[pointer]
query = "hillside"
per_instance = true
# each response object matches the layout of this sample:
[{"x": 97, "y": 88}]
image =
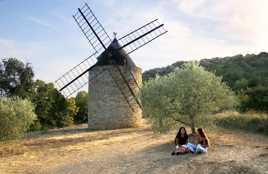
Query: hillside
[
  {"x": 237, "y": 67},
  {"x": 246, "y": 75}
]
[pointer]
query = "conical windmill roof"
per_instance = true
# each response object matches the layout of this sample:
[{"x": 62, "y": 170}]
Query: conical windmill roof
[{"x": 113, "y": 55}]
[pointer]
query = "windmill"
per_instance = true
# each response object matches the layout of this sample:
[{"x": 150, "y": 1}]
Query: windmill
[{"x": 112, "y": 77}]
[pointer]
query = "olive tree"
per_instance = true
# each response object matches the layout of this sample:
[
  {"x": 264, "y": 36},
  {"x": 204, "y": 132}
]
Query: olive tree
[
  {"x": 184, "y": 96},
  {"x": 16, "y": 117}
]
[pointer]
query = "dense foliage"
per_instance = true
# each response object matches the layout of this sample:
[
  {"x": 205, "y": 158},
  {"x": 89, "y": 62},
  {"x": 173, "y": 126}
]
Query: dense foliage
[
  {"x": 72, "y": 110},
  {"x": 186, "y": 96},
  {"x": 52, "y": 108},
  {"x": 246, "y": 75},
  {"x": 16, "y": 116},
  {"x": 16, "y": 78},
  {"x": 81, "y": 101}
]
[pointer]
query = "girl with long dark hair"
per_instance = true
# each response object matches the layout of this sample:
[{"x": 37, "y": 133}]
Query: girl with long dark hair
[
  {"x": 202, "y": 146},
  {"x": 181, "y": 141}
]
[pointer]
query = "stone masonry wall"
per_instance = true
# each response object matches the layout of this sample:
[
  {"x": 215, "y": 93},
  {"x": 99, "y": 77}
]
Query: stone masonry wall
[{"x": 108, "y": 108}]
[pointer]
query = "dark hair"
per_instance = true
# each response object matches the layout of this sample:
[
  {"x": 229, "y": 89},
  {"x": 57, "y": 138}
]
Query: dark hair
[
  {"x": 179, "y": 133},
  {"x": 202, "y": 133}
]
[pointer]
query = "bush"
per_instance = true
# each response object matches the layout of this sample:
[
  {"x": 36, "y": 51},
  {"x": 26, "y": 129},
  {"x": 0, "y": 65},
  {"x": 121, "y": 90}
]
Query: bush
[
  {"x": 16, "y": 117},
  {"x": 254, "y": 122}
]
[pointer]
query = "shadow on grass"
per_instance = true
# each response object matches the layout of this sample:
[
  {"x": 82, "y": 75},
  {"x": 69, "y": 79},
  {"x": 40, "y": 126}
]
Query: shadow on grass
[
  {"x": 191, "y": 163},
  {"x": 46, "y": 140},
  {"x": 95, "y": 136},
  {"x": 166, "y": 149},
  {"x": 159, "y": 159}
]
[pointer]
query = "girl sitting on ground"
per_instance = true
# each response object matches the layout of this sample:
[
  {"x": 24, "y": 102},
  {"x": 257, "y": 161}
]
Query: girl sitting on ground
[
  {"x": 203, "y": 143},
  {"x": 181, "y": 141}
]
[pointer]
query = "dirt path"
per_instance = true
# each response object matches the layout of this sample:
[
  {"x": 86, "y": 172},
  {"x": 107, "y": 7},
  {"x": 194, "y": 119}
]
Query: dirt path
[{"x": 133, "y": 151}]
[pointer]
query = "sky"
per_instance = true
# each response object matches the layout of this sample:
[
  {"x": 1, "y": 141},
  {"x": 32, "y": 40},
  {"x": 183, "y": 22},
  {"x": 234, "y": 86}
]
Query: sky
[{"x": 44, "y": 33}]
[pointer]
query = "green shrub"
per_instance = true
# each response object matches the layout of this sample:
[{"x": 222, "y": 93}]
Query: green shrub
[
  {"x": 254, "y": 122},
  {"x": 16, "y": 117}
]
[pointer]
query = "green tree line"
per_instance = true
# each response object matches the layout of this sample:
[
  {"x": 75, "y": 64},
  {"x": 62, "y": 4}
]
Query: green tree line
[{"x": 52, "y": 109}]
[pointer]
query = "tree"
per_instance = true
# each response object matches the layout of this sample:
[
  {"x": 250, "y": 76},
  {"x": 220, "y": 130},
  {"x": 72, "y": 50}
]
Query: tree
[
  {"x": 59, "y": 110},
  {"x": 16, "y": 116},
  {"x": 81, "y": 101},
  {"x": 185, "y": 96},
  {"x": 50, "y": 105},
  {"x": 72, "y": 110},
  {"x": 16, "y": 78},
  {"x": 43, "y": 103}
]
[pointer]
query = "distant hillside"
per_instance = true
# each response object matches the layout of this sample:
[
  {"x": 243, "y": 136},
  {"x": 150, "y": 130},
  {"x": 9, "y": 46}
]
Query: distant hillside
[
  {"x": 251, "y": 67},
  {"x": 247, "y": 75}
]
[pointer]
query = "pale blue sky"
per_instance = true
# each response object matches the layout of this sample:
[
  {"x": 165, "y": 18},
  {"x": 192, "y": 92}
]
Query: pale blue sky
[{"x": 44, "y": 33}]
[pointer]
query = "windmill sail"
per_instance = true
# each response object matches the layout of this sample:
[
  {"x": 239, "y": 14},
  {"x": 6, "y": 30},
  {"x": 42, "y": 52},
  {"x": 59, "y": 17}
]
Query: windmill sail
[
  {"x": 121, "y": 89},
  {"x": 141, "y": 36},
  {"x": 92, "y": 28},
  {"x": 77, "y": 77},
  {"x": 128, "y": 86}
]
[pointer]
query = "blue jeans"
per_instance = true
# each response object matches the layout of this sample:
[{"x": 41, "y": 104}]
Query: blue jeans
[
  {"x": 196, "y": 148},
  {"x": 201, "y": 149},
  {"x": 191, "y": 147}
]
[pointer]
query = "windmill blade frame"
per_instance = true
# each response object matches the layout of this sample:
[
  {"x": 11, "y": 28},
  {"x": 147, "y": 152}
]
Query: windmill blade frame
[
  {"x": 79, "y": 83},
  {"x": 142, "y": 36},
  {"x": 77, "y": 77},
  {"x": 92, "y": 29}
]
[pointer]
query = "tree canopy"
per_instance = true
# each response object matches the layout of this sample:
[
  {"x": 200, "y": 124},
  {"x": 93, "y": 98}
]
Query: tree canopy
[
  {"x": 50, "y": 105},
  {"x": 185, "y": 96},
  {"x": 16, "y": 78}
]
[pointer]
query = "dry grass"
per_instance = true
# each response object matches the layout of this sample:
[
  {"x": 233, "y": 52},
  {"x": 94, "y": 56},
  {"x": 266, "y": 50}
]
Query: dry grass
[
  {"x": 52, "y": 149},
  {"x": 61, "y": 151},
  {"x": 250, "y": 121}
]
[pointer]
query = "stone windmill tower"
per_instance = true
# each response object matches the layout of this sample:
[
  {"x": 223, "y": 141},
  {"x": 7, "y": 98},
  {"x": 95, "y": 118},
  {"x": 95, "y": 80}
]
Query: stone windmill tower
[{"x": 113, "y": 79}]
